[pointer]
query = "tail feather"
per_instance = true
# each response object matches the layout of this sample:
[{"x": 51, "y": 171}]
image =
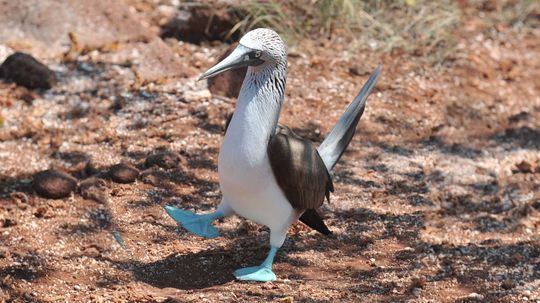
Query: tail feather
[
  {"x": 312, "y": 219},
  {"x": 340, "y": 136}
]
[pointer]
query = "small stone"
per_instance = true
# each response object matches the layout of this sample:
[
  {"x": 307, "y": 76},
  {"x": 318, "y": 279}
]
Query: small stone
[
  {"x": 357, "y": 71},
  {"x": 54, "y": 184},
  {"x": 94, "y": 189},
  {"x": 165, "y": 160},
  {"x": 418, "y": 282},
  {"x": 118, "y": 103},
  {"x": 155, "y": 177},
  {"x": 149, "y": 177},
  {"x": 287, "y": 299},
  {"x": 26, "y": 71},
  {"x": 475, "y": 296},
  {"x": 19, "y": 197},
  {"x": 123, "y": 173},
  {"x": 41, "y": 212},
  {"x": 90, "y": 169},
  {"x": 525, "y": 167},
  {"x": 517, "y": 258},
  {"x": 93, "y": 182},
  {"x": 508, "y": 284},
  {"x": 7, "y": 222}
]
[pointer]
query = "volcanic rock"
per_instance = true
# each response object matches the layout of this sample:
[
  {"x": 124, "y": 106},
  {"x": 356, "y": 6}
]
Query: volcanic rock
[
  {"x": 26, "y": 71},
  {"x": 165, "y": 160},
  {"x": 123, "y": 173},
  {"x": 54, "y": 184}
]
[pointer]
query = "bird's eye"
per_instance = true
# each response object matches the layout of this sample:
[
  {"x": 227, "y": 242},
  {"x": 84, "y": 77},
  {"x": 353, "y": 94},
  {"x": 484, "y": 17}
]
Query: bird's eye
[{"x": 258, "y": 54}]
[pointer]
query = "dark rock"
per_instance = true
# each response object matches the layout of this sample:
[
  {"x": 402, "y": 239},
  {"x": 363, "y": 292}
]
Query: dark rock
[
  {"x": 200, "y": 23},
  {"x": 123, "y": 173},
  {"x": 508, "y": 284},
  {"x": 43, "y": 212},
  {"x": 90, "y": 169},
  {"x": 7, "y": 222},
  {"x": 165, "y": 160},
  {"x": 227, "y": 84},
  {"x": 418, "y": 282},
  {"x": 93, "y": 182},
  {"x": 118, "y": 103},
  {"x": 94, "y": 189},
  {"x": 26, "y": 71},
  {"x": 54, "y": 184},
  {"x": 525, "y": 167},
  {"x": 355, "y": 70},
  {"x": 155, "y": 177}
]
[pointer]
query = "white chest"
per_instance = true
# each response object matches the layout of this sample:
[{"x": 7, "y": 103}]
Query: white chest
[{"x": 243, "y": 163}]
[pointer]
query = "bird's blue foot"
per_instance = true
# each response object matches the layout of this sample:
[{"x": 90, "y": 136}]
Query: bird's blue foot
[
  {"x": 200, "y": 225},
  {"x": 262, "y": 273},
  {"x": 255, "y": 273}
]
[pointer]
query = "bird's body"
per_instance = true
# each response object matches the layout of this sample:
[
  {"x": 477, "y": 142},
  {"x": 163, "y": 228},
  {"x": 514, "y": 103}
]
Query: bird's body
[
  {"x": 245, "y": 175},
  {"x": 266, "y": 173}
]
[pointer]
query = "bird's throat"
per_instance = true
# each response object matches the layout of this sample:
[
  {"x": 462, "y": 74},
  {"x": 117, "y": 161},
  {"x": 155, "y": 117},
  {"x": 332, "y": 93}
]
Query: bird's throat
[{"x": 255, "y": 118}]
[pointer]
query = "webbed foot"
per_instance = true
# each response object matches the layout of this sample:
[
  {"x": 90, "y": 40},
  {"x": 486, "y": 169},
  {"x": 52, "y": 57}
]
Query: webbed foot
[
  {"x": 255, "y": 273},
  {"x": 200, "y": 225}
]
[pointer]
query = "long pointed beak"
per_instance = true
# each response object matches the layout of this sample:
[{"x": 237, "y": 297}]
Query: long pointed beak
[{"x": 241, "y": 56}]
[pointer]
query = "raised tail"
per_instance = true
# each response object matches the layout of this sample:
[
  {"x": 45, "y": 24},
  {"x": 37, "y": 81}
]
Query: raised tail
[{"x": 340, "y": 136}]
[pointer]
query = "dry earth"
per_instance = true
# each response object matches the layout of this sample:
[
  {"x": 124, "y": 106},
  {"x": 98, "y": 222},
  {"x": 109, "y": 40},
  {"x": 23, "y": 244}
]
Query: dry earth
[{"x": 436, "y": 200}]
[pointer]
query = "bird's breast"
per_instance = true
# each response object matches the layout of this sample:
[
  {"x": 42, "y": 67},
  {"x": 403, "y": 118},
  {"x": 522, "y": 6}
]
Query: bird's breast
[{"x": 242, "y": 164}]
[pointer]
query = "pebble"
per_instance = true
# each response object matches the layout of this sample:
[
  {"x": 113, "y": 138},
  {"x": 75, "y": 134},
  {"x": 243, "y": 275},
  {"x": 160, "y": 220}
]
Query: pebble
[
  {"x": 94, "y": 189},
  {"x": 54, "y": 184},
  {"x": 508, "y": 284},
  {"x": 26, "y": 71},
  {"x": 90, "y": 169},
  {"x": 418, "y": 282},
  {"x": 165, "y": 160},
  {"x": 525, "y": 167},
  {"x": 123, "y": 173},
  {"x": 475, "y": 296}
]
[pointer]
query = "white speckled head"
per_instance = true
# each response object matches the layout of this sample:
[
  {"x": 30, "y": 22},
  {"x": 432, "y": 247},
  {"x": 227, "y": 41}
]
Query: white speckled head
[
  {"x": 268, "y": 42},
  {"x": 261, "y": 49}
]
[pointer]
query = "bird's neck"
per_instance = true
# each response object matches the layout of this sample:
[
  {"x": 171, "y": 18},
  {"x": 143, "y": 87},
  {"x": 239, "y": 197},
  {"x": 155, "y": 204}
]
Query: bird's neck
[{"x": 259, "y": 105}]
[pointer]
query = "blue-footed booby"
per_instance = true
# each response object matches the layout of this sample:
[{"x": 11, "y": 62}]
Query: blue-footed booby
[{"x": 267, "y": 173}]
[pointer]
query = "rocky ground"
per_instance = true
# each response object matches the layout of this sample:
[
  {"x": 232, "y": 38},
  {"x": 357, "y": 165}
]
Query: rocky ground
[{"x": 436, "y": 200}]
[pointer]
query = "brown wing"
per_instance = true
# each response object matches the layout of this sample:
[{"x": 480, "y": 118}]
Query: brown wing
[{"x": 299, "y": 170}]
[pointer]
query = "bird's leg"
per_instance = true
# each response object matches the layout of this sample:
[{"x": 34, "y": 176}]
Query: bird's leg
[
  {"x": 261, "y": 273},
  {"x": 200, "y": 225}
]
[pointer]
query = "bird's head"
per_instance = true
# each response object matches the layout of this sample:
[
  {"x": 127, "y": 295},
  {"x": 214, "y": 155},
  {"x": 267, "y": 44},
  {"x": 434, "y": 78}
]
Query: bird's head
[{"x": 259, "y": 47}]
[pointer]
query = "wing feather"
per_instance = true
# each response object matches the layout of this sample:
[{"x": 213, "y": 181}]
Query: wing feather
[{"x": 299, "y": 169}]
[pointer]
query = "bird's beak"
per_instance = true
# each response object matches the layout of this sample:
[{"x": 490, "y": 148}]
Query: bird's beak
[{"x": 241, "y": 56}]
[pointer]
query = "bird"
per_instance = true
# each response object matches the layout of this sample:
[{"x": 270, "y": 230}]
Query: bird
[{"x": 267, "y": 173}]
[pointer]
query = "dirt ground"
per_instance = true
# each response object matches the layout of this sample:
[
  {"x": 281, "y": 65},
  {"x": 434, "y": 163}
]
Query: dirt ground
[{"x": 436, "y": 200}]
